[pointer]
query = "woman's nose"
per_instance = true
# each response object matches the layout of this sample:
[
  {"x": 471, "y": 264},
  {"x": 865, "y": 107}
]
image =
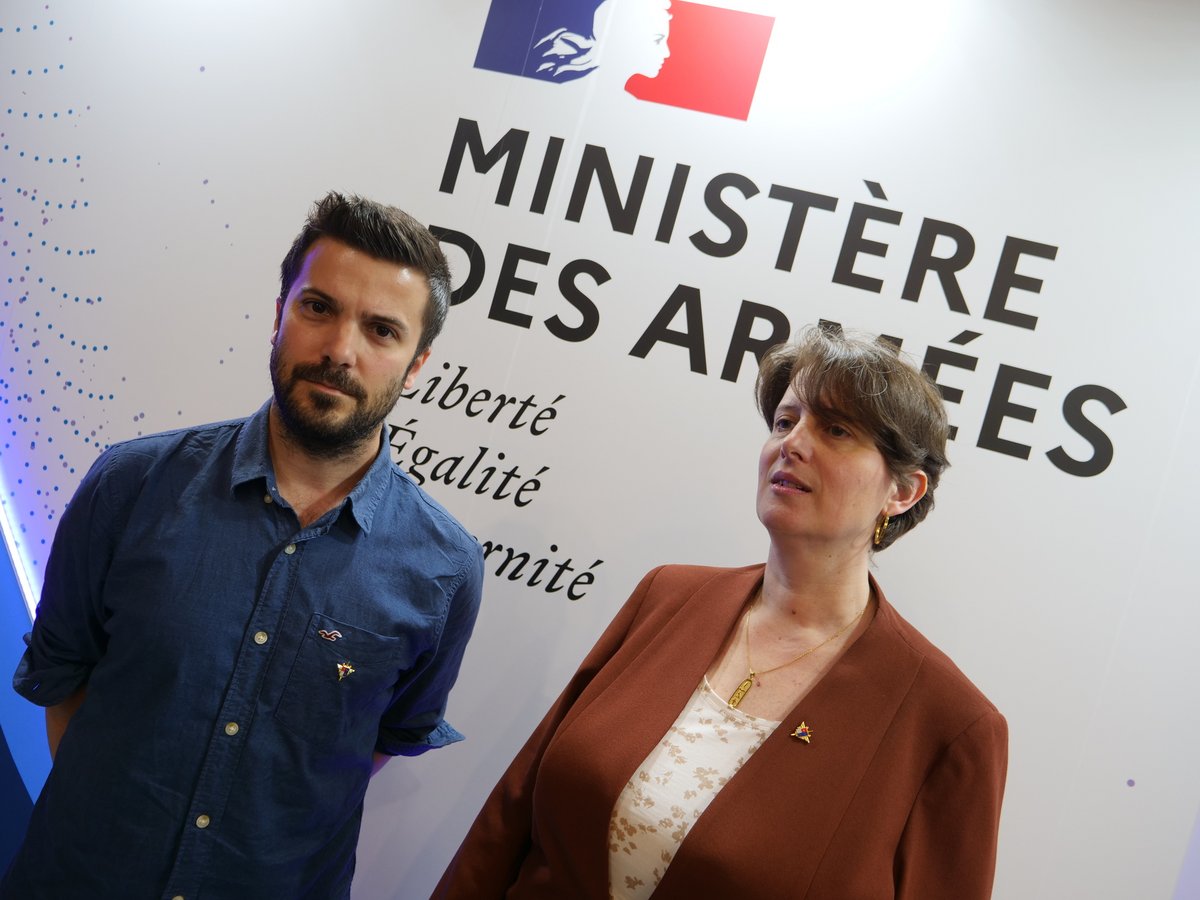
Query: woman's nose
[{"x": 797, "y": 441}]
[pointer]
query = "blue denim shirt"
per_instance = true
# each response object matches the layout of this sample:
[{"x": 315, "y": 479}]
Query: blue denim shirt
[{"x": 240, "y": 670}]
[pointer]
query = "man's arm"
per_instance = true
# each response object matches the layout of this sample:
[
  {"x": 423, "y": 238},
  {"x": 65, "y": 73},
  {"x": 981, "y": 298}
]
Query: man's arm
[
  {"x": 59, "y": 716},
  {"x": 415, "y": 722},
  {"x": 68, "y": 637}
]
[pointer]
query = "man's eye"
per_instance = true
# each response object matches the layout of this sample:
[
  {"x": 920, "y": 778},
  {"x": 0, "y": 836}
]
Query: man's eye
[
  {"x": 320, "y": 307},
  {"x": 382, "y": 331}
]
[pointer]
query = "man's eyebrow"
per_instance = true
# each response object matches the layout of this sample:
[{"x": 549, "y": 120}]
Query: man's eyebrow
[
  {"x": 324, "y": 297},
  {"x": 399, "y": 324}
]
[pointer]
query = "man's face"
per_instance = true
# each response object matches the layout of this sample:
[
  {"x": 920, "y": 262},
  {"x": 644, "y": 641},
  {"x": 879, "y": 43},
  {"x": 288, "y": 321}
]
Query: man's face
[{"x": 345, "y": 346}]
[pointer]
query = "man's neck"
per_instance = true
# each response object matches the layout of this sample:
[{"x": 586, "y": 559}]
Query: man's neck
[{"x": 313, "y": 485}]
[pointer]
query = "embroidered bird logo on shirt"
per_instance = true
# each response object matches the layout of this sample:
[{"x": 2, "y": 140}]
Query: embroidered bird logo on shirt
[
  {"x": 344, "y": 669},
  {"x": 329, "y": 635}
]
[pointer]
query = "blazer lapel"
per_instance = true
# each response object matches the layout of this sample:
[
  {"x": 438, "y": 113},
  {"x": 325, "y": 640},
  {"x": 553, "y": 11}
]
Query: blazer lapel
[
  {"x": 791, "y": 795},
  {"x": 661, "y": 663},
  {"x": 640, "y": 691}
]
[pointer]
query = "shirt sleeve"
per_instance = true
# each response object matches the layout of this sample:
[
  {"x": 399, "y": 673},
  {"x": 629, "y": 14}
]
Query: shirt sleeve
[
  {"x": 68, "y": 636},
  {"x": 415, "y": 723},
  {"x": 948, "y": 850},
  {"x": 491, "y": 855}
]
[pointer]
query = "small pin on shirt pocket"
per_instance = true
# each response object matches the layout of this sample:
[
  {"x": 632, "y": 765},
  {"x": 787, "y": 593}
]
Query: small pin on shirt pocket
[{"x": 341, "y": 682}]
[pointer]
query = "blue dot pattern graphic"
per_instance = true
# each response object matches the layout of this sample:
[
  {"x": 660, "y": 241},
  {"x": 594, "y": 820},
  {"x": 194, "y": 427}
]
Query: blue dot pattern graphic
[{"x": 54, "y": 411}]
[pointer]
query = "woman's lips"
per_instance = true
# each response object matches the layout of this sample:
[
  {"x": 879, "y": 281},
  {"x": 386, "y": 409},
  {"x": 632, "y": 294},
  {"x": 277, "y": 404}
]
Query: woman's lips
[{"x": 789, "y": 482}]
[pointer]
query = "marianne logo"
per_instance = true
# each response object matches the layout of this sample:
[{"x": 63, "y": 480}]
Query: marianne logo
[{"x": 691, "y": 55}]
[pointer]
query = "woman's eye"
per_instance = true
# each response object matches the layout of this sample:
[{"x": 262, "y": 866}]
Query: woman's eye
[
  {"x": 839, "y": 431},
  {"x": 782, "y": 424}
]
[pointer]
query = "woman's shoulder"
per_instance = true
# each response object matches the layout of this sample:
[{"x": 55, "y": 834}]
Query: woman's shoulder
[
  {"x": 701, "y": 574},
  {"x": 685, "y": 579},
  {"x": 938, "y": 681},
  {"x": 668, "y": 590}
]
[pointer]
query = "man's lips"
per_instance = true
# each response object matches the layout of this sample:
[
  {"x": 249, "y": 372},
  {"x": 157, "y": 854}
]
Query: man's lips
[
  {"x": 789, "y": 482},
  {"x": 326, "y": 386}
]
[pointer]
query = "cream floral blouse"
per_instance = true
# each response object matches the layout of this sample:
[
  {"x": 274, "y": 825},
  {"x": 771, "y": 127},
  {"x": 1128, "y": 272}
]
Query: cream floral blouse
[{"x": 705, "y": 747}]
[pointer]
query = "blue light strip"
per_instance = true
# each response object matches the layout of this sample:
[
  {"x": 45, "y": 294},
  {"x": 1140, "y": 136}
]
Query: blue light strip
[
  {"x": 21, "y": 565},
  {"x": 22, "y": 723}
]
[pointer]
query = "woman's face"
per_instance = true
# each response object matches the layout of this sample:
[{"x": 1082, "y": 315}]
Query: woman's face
[{"x": 825, "y": 481}]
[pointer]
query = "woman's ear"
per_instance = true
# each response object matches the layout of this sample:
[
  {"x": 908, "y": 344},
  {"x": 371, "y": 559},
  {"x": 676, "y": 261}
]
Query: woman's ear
[{"x": 905, "y": 496}]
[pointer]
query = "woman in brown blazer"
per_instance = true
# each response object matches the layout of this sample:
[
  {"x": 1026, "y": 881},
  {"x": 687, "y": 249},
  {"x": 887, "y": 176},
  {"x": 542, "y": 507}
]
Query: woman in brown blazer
[{"x": 775, "y": 731}]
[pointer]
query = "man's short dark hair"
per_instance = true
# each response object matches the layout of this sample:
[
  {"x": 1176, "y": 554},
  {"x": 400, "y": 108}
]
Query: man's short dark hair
[{"x": 384, "y": 232}]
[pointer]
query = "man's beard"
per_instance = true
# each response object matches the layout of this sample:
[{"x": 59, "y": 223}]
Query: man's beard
[{"x": 321, "y": 433}]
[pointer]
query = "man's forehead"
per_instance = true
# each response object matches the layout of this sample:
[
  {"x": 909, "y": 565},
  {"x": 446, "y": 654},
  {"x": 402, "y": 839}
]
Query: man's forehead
[{"x": 328, "y": 256}]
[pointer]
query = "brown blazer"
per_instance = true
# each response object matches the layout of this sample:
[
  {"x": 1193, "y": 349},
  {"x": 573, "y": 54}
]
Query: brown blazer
[{"x": 897, "y": 795}]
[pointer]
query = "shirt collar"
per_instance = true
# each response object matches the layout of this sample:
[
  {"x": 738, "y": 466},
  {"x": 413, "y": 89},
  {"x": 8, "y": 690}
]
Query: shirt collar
[{"x": 252, "y": 461}]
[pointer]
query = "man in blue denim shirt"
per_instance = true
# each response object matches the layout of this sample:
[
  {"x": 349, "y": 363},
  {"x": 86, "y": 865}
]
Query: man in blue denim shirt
[{"x": 240, "y": 622}]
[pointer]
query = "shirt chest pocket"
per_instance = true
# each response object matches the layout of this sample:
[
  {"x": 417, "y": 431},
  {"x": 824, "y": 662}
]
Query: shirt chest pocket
[{"x": 341, "y": 682}]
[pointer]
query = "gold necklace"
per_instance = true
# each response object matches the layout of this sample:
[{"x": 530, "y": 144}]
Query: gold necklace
[{"x": 744, "y": 688}]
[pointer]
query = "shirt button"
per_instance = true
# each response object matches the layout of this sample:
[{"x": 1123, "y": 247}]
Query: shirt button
[
  {"x": 177, "y": 897},
  {"x": 267, "y": 499},
  {"x": 289, "y": 549},
  {"x": 202, "y": 821},
  {"x": 231, "y": 729},
  {"x": 260, "y": 637}
]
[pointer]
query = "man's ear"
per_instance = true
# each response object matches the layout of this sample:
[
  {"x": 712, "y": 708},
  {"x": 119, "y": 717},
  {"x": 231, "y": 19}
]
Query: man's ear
[
  {"x": 278, "y": 316},
  {"x": 414, "y": 368}
]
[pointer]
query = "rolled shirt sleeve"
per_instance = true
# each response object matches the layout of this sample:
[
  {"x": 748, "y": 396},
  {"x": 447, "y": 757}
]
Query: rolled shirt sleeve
[
  {"x": 68, "y": 636},
  {"x": 415, "y": 722}
]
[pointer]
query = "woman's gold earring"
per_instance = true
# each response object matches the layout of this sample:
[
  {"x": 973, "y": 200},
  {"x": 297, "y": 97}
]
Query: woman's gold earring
[{"x": 881, "y": 529}]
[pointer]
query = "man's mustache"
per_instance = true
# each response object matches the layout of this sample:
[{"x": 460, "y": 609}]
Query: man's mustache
[{"x": 330, "y": 375}]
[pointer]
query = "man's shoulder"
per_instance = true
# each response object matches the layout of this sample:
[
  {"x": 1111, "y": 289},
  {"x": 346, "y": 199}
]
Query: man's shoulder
[
  {"x": 418, "y": 509},
  {"x": 141, "y": 452}
]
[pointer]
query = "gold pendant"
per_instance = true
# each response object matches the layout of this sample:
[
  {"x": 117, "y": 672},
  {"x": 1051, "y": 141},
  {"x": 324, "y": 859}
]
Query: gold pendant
[{"x": 742, "y": 690}]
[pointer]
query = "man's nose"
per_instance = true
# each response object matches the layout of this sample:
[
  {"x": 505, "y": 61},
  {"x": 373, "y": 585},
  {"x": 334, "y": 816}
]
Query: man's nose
[{"x": 341, "y": 345}]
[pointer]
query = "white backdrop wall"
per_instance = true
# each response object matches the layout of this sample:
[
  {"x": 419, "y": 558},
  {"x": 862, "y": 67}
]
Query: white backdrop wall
[{"x": 158, "y": 158}]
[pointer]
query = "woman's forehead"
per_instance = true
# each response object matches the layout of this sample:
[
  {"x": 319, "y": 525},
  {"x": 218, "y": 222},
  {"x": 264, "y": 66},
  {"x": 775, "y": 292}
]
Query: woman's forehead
[{"x": 824, "y": 401}]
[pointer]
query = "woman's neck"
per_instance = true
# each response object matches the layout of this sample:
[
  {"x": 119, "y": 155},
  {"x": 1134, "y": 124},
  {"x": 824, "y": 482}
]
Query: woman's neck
[{"x": 814, "y": 589}]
